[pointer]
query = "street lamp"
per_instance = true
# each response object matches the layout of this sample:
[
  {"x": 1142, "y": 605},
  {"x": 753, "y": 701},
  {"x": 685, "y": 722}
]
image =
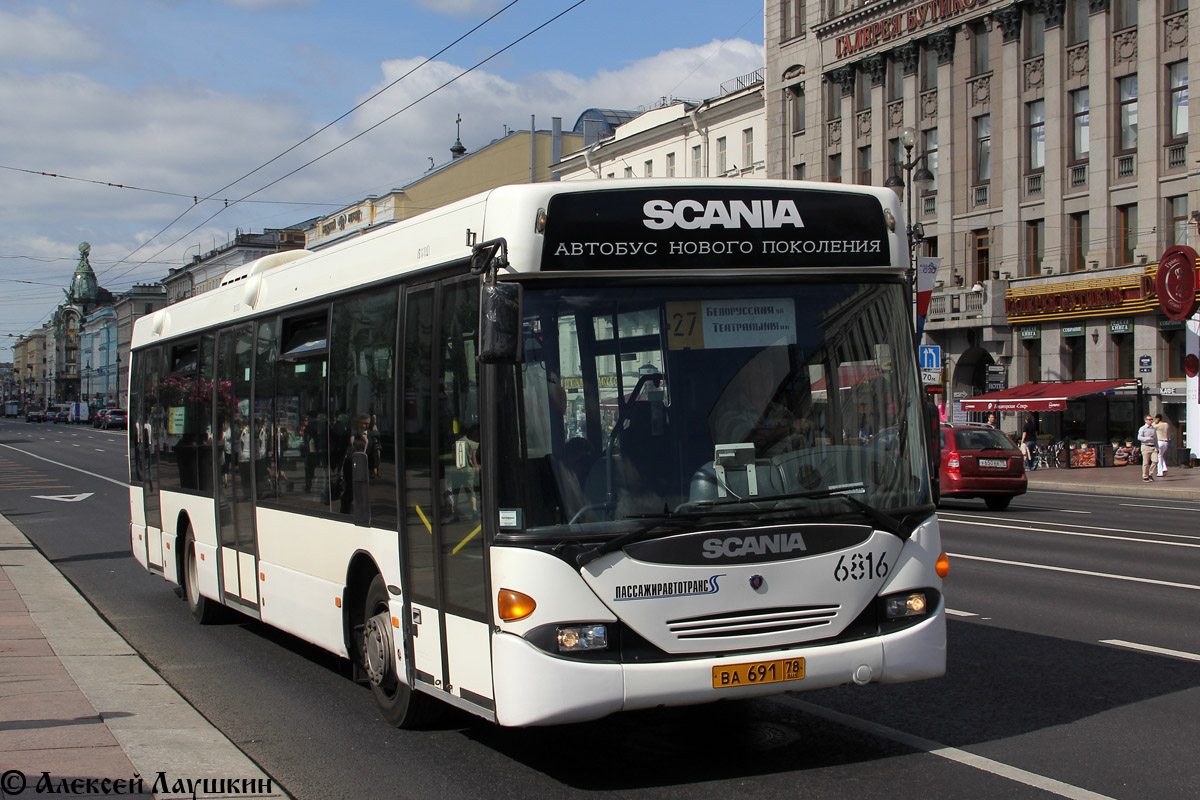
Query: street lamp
[{"x": 921, "y": 179}]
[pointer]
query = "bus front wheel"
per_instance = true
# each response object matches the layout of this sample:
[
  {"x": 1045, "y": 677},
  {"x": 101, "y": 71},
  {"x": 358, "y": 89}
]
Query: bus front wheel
[{"x": 400, "y": 705}]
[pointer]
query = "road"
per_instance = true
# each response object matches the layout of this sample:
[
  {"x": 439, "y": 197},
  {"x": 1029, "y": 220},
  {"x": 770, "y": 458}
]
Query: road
[{"x": 1074, "y": 670}]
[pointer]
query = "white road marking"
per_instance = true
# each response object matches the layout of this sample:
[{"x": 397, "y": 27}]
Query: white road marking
[
  {"x": 1149, "y": 648},
  {"x": 1088, "y": 573},
  {"x": 1030, "y": 529},
  {"x": 1158, "y": 507},
  {"x": 954, "y": 613},
  {"x": 122, "y": 484},
  {"x": 943, "y": 751}
]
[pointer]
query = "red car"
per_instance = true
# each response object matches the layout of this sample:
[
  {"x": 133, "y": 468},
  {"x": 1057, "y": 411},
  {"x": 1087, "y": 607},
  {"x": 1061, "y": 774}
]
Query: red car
[{"x": 980, "y": 461}]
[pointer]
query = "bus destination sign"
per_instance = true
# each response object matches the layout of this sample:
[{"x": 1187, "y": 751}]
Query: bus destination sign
[{"x": 704, "y": 228}]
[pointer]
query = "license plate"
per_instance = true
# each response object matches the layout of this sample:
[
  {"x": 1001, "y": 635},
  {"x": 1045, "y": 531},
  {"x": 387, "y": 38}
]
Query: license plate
[
  {"x": 1000, "y": 463},
  {"x": 756, "y": 672}
]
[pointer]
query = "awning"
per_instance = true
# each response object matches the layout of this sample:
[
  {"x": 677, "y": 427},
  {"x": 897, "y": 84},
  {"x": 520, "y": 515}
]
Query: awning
[{"x": 1040, "y": 396}]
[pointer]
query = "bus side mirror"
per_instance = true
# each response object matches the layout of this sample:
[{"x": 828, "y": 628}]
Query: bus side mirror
[{"x": 500, "y": 323}]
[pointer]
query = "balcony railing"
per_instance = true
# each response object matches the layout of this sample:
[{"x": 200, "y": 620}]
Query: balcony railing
[
  {"x": 1033, "y": 184},
  {"x": 1176, "y": 156},
  {"x": 1124, "y": 166},
  {"x": 1078, "y": 176},
  {"x": 979, "y": 196}
]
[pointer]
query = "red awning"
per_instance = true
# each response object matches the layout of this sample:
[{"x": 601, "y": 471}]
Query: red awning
[{"x": 1040, "y": 396}]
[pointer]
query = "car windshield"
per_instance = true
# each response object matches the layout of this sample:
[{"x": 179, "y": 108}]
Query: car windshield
[
  {"x": 754, "y": 399},
  {"x": 982, "y": 439}
]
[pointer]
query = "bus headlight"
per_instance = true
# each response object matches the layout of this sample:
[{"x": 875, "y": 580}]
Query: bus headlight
[
  {"x": 899, "y": 606},
  {"x": 573, "y": 638}
]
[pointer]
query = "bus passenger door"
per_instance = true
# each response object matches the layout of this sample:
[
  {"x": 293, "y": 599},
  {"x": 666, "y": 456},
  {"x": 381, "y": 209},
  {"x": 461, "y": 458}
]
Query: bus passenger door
[
  {"x": 448, "y": 635},
  {"x": 236, "y": 553}
]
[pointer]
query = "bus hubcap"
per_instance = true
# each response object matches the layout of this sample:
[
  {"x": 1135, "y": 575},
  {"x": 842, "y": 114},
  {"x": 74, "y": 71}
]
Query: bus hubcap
[{"x": 377, "y": 647}]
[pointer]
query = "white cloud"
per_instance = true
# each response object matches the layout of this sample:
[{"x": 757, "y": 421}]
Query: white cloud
[
  {"x": 460, "y": 8},
  {"x": 43, "y": 37}
]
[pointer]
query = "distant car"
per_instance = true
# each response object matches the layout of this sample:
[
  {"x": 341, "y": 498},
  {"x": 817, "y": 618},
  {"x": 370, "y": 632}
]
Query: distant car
[
  {"x": 979, "y": 461},
  {"x": 35, "y": 414},
  {"x": 114, "y": 418},
  {"x": 98, "y": 417},
  {"x": 57, "y": 415}
]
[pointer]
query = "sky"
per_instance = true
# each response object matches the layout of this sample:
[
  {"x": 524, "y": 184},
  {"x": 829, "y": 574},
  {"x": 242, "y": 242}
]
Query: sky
[{"x": 118, "y": 118}]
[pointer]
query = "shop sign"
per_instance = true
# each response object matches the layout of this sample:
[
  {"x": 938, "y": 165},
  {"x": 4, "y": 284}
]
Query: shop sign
[
  {"x": 1171, "y": 325},
  {"x": 1029, "y": 332},
  {"x": 1120, "y": 325},
  {"x": 905, "y": 22},
  {"x": 1176, "y": 282},
  {"x": 1145, "y": 363},
  {"x": 1072, "y": 330}
]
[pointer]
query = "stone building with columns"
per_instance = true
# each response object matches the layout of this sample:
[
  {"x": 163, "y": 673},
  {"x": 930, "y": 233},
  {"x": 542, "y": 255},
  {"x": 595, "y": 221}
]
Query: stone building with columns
[{"x": 1058, "y": 132}]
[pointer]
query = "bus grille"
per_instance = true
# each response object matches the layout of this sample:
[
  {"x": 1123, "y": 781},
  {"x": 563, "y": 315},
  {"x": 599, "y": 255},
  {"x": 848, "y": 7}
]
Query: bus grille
[{"x": 757, "y": 621}]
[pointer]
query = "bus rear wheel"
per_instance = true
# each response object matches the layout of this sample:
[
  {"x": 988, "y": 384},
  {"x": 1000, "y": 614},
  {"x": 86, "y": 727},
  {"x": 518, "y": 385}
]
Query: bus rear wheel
[
  {"x": 400, "y": 705},
  {"x": 204, "y": 610}
]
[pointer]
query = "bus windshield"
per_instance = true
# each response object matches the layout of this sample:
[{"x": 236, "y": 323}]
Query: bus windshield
[{"x": 651, "y": 401}]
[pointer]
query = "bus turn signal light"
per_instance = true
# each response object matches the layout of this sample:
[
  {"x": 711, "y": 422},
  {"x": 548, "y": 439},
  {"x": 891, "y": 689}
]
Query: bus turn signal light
[
  {"x": 943, "y": 565},
  {"x": 512, "y": 605}
]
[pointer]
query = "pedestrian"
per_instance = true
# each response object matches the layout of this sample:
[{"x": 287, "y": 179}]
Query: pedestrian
[
  {"x": 1148, "y": 437},
  {"x": 1028, "y": 440},
  {"x": 991, "y": 420},
  {"x": 1163, "y": 430}
]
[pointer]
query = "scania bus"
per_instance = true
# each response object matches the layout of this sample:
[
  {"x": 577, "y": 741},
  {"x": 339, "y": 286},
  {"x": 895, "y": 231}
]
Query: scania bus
[{"x": 559, "y": 450}]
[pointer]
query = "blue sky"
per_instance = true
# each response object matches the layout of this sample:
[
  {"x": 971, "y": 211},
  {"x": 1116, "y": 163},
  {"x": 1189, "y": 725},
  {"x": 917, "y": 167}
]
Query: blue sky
[{"x": 183, "y": 96}]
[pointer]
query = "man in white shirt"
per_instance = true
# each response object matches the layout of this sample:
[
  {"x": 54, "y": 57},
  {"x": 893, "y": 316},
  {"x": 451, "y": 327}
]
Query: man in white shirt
[{"x": 1148, "y": 438}]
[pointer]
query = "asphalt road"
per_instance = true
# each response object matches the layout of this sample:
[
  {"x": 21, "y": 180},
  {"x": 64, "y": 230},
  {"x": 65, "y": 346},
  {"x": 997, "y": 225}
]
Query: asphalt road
[{"x": 1074, "y": 670}]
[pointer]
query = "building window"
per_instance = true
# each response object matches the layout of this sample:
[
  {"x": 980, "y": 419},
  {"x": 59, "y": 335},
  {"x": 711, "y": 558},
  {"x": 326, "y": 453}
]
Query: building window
[
  {"x": 864, "y": 165},
  {"x": 748, "y": 148},
  {"x": 983, "y": 149},
  {"x": 1078, "y": 244},
  {"x": 928, "y": 67},
  {"x": 1124, "y": 14},
  {"x": 895, "y": 80},
  {"x": 1123, "y": 355},
  {"x": 1075, "y": 358},
  {"x": 1127, "y": 119},
  {"x": 1081, "y": 127},
  {"x": 930, "y": 137},
  {"x": 799, "y": 172},
  {"x": 670, "y": 165},
  {"x": 982, "y": 241},
  {"x": 629, "y": 172},
  {"x": 1033, "y": 360},
  {"x": 833, "y": 100},
  {"x": 1127, "y": 234},
  {"x": 1035, "y": 39},
  {"x": 1177, "y": 78},
  {"x": 1178, "y": 209},
  {"x": 649, "y": 169},
  {"x": 1035, "y": 245},
  {"x": 980, "y": 57},
  {"x": 796, "y": 97},
  {"x": 835, "y": 168},
  {"x": 1079, "y": 11},
  {"x": 697, "y": 163},
  {"x": 1174, "y": 352},
  {"x": 1036, "y": 112},
  {"x": 791, "y": 21},
  {"x": 722, "y": 155},
  {"x": 862, "y": 92},
  {"x": 1175, "y": 6}
]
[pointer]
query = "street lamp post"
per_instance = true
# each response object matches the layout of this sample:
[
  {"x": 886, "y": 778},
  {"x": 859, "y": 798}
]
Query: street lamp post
[{"x": 916, "y": 180}]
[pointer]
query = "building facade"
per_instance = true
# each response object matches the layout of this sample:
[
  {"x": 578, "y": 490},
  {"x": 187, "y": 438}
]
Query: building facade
[
  {"x": 723, "y": 137},
  {"x": 205, "y": 270},
  {"x": 1058, "y": 135}
]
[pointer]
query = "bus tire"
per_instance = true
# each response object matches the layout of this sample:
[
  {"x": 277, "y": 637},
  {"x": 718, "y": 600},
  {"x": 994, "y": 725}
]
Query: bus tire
[
  {"x": 204, "y": 610},
  {"x": 400, "y": 705}
]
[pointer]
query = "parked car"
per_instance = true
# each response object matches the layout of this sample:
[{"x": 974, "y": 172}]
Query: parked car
[
  {"x": 979, "y": 461},
  {"x": 35, "y": 413},
  {"x": 114, "y": 418}
]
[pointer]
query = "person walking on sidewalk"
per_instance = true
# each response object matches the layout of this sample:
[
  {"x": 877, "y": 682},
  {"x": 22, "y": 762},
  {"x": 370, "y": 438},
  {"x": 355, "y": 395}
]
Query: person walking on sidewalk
[
  {"x": 1163, "y": 430},
  {"x": 1028, "y": 440},
  {"x": 1148, "y": 437}
]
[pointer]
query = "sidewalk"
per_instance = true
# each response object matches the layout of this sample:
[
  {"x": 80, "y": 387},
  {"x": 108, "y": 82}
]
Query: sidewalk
[
  {"x": 1180, "y": 483},
  {"x": 82, "y": 714}
]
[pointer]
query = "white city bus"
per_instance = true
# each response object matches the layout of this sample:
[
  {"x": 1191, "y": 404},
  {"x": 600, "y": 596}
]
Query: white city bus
[{"x": 559, "y": 450}]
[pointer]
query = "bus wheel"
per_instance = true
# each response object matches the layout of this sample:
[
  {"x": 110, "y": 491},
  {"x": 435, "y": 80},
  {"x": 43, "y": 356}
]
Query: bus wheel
[
  {"x": 400, "y": 705},
  {"x": 204, "y": 610}
]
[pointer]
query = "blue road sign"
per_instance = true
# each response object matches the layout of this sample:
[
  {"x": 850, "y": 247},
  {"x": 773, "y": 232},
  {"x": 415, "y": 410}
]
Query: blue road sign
[{"x": 931, "y": 356}]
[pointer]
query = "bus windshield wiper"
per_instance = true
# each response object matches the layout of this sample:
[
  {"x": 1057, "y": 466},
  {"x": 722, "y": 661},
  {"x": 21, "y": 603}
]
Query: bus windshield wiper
[
  {"x": 882, "y": 519},
  {"x": 657, "y": 521}
]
